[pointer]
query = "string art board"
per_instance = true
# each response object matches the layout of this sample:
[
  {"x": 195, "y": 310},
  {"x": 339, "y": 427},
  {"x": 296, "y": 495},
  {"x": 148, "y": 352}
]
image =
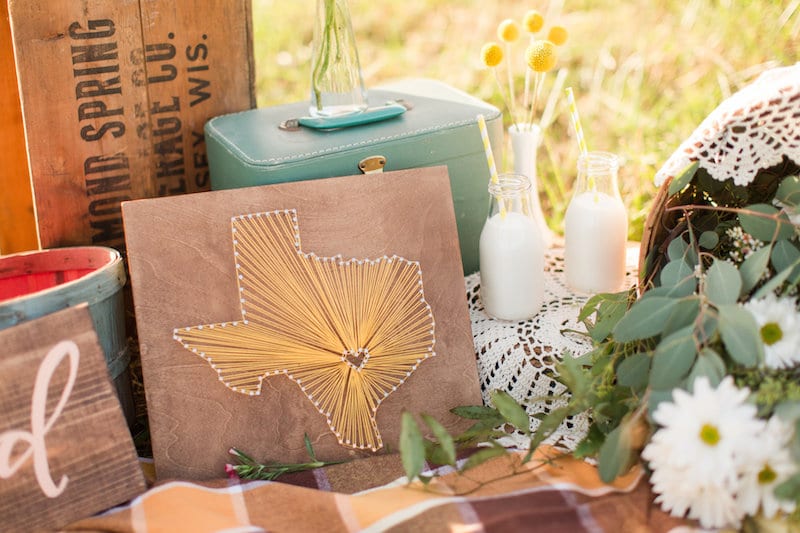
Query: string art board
[
  {"x": 325, "y": 307},
  {"x": 65, "y": 449}
]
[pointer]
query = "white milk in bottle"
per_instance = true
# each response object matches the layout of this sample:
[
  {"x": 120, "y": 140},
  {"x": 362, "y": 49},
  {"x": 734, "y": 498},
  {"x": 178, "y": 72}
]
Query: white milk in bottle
[
  {"x": 511, "y": 252},
  {"x": 596, "y": 227}
]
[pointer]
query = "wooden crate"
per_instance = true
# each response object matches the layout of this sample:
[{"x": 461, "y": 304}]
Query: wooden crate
[{"x": 113, "y": 97}]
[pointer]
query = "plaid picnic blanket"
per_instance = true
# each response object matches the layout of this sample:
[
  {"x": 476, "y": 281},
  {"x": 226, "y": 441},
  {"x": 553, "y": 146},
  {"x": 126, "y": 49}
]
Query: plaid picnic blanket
[{"x": 548, "y": 494}]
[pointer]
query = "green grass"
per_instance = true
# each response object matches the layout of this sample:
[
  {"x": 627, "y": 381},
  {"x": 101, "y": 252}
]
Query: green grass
[{"x": 645, "y": 72}]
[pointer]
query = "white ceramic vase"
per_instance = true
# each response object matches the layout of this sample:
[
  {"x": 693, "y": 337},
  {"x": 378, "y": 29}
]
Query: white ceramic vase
[{"x": 524, "y": 146}]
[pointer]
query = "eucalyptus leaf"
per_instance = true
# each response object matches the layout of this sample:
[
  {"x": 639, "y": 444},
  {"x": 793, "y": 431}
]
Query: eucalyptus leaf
[
  {"x": 683, "y": 179},
  {"x": 656, "y": 292},
  {"x": 610, "y": 313},
  {"x": 789, "y": 489},
  {"x": 709, "y": 327},
  {"x": 708, "y": 240},
  {"x": 709, "y": 364},
  {"x": 615, "y": 454},
  {"x": 590, "y": 306},
  {"x": 788, "y": 411},
  {"x": 412, "y": 446},
  {"x": 789, "y": 191},
  {"x": 775, "y": 281},
  {"x": 511, "y": 411},
  {"x": 445, "y": 439},
  {"x": 740, "y": 334},
  {"x": 644, "y": 319},
  {"x": 683, "y": 314},
  {"x": 483, "y": 455},
  {"x": 784, "y": 255},
  {"x": 685, "y": 287},
  {"x": 673, "y": 359},
  {"x": 764, "y": 228},
  {"x": 753, "y": 268},
  {"x": 674, "y": 272},
  {"x": 677, "y": 249},
  {"x": 634, "y": 370},
  {"x": 723, "y": 283}
]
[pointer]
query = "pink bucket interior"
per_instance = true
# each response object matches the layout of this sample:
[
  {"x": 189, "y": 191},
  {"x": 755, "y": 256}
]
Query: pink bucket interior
[{"x": 29, "y": 273}]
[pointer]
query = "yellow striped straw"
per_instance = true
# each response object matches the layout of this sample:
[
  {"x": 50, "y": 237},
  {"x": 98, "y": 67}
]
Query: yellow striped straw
[
  {"x": 487, "y": 148},
  {"x": 576, "y": 124},
  {"x": 576, "y": 121}
]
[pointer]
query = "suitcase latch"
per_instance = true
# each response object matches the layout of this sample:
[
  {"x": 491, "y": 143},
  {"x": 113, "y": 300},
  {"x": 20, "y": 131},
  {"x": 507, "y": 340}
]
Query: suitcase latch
[{"x": 373, "y": 164}]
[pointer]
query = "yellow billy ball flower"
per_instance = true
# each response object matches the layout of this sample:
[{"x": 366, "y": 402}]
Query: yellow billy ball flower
[
  {"x": 508, "y": 31},
  {"x": 558, "y": 35},
  {"x": 541, "y": 55},
  {"x": 491, "y": 54},
  {"x": 533, "y": 21}
]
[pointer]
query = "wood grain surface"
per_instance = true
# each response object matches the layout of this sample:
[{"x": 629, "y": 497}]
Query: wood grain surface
[
  {"x": 183, "y": 273},
  {"x": 84, "y": 445},
  {"x": 114, "y": 96}
]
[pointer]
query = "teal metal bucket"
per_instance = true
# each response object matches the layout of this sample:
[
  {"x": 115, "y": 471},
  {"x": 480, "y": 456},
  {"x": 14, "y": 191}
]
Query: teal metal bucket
[{"x": 34, "y": 284}]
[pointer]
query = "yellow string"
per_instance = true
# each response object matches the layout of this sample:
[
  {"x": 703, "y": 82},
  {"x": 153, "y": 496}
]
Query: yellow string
[{"x": 306, "y": 316}]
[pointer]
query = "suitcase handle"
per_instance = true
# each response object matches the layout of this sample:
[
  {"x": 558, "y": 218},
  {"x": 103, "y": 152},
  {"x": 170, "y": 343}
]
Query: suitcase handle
[{"x": 373, "y": 114}]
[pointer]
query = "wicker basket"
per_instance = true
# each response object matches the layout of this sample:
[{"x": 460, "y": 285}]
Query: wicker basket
[{"x": 743, "y": 150}]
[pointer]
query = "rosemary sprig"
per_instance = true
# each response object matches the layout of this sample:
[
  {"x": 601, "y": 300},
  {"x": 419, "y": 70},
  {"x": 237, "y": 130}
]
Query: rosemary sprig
[{"x": 248, "y": 468}]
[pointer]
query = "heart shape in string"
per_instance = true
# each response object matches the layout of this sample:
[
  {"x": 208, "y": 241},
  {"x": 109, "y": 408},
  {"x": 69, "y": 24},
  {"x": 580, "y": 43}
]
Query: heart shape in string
[{"x": 356, "y": 358}]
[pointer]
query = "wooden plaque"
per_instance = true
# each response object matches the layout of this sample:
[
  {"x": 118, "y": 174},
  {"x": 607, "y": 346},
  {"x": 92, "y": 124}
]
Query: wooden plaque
[
  {"x": 184, "y": 273},
  {"x": 65, "y": 450},
  {"x": 114, "y": 96}
]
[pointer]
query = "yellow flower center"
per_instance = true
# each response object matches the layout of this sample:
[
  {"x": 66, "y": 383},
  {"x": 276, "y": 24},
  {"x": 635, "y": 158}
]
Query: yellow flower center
[
  {"x": 508, "y": 31},
  {"x": 533, "y": 21},
  {"x": 767, "y": 475},
  {"x": 709, "y": 434},
  {"x": 541, "y": 55},
  {"x": 771, "y": 333},
  {"x": 491, "y": 54},
  {"x": 558, "y": 35}
]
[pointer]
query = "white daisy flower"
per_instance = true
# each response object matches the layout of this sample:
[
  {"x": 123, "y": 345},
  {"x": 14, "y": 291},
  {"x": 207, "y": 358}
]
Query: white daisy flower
[
  {"x": 769, "y": 464},
  {"x": 779, "y": 328},
  {"x": 698, "y": 452}
]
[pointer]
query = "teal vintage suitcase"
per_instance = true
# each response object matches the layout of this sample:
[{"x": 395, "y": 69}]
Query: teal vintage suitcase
[{"x": 249, "y": 148}]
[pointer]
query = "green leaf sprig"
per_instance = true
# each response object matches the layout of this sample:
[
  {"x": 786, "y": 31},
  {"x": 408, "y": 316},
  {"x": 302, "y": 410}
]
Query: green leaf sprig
[
  {"x": 248, "y": 468},
  {"x": 479, "y": 442}
]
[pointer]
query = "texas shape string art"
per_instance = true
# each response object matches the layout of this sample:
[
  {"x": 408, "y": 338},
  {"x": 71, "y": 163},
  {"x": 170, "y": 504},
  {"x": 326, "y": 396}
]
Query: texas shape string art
[{"x": 348, "y": 332}]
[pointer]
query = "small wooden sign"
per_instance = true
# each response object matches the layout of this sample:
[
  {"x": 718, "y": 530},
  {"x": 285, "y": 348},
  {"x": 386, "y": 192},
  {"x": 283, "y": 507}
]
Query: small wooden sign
[
  {"x": 65, "y": 450},
  {"x": 187, "y": 274}
]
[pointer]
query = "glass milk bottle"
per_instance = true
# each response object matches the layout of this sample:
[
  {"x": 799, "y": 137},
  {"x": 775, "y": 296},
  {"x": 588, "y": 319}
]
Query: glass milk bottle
[
  {"x": 596, "y": 227},
  {"x": 511, "y": 252}
]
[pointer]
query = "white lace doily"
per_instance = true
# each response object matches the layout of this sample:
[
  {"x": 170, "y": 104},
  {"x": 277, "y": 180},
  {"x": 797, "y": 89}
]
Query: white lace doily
[
  {"x": 520, "y": 357},
  {"x": 751, "y": 130}
]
